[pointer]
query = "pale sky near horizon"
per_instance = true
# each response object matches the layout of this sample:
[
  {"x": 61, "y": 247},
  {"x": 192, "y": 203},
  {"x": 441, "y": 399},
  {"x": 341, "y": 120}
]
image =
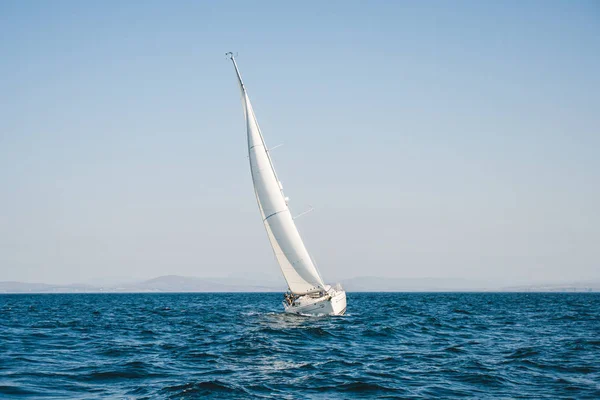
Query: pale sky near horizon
[{"x": 434, "y": 139}]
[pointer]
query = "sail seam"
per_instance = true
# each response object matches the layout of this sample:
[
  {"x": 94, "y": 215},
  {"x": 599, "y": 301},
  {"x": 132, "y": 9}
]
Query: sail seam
[{"x": 275, "y": 213}]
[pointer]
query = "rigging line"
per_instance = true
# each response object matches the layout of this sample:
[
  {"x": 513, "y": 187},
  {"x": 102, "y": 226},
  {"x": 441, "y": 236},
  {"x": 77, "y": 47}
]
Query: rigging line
[
  {"x": 304, "y": 213},
  {"x": 273, "y": 148}
]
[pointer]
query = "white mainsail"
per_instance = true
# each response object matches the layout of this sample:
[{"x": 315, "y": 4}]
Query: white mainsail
[{"x": 291, "y": 254}]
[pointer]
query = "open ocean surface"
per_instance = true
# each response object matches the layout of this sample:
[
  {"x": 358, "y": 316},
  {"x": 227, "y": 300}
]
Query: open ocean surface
[{"x": 241, "y": 345}]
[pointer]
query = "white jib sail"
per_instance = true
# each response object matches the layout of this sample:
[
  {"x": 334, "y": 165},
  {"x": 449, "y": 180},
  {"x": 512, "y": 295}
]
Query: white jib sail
[{"x": 291, "y": 254}]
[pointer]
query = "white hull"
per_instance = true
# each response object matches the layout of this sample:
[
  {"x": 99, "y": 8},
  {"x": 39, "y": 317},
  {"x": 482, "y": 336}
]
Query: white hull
[{"x": 332, "y": 303}]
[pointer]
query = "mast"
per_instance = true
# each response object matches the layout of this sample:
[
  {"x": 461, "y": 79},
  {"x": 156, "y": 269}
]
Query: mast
[
  {"x": 247, "y": 104},
  {"x": 237, "y": 71}
]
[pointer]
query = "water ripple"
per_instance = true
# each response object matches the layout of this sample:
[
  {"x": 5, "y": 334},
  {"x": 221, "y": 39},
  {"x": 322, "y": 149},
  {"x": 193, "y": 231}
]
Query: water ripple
[{"x": 389, "y": 345}]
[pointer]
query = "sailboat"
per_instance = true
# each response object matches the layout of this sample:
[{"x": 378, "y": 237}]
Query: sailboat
[{"x": 307, "y": 293}]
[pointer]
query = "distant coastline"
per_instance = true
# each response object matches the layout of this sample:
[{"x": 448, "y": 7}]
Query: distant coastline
[{"x": 179, "y": 284}]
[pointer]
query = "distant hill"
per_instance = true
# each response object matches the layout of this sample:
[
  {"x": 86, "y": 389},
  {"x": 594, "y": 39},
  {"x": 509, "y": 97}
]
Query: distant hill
[
  {"x": 588, "y": 286},
  {"x": 379, "y": 284},
  {"x": 175, "y": 283},
  {"x": 21, "y": 287},
  {"x": 168, "y": 283}
]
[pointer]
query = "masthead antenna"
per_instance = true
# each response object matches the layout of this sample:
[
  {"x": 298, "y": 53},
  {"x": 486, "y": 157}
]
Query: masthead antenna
[{"x": 230, "y": 56}]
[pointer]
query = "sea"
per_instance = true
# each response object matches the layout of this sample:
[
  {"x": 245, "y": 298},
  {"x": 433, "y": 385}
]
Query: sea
[{"x": 242, "y": 346}]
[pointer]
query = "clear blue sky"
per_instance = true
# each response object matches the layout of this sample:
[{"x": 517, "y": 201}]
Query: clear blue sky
[{"x": 434, "y": 139}]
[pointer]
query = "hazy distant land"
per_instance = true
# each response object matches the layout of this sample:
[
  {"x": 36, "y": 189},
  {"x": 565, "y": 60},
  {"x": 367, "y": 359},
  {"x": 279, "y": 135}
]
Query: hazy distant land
[{"x": 175, "y": 283}]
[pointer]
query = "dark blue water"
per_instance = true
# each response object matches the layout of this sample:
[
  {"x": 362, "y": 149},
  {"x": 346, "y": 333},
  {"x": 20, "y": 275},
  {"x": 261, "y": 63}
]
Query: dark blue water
[{"x": 396, "y": 345}]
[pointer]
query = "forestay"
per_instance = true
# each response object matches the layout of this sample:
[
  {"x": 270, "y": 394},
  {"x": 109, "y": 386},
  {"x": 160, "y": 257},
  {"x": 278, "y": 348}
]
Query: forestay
[{"x": 291, "y": 254}]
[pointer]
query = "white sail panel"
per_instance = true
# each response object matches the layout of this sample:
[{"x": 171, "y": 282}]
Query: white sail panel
[
  {"x": 292, "y": 278},
  {"x": 290, "y": 252}
]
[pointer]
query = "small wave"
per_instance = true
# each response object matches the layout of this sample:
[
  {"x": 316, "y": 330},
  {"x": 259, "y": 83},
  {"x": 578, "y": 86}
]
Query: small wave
[
  {"x": 380, "y": 332},
  {"x": 317, "y": 332},
  {"x": 434, "y": 322},
  {"x": 251, "y": 313},
  {"x": 482, "y": 379},
  {"x": 522, "y": 353},
  {"x": 200, "y": 355},
  {"x": 277, "y": 331},
  {"x": 129, "y": 370},
  {"x": 16, "y": 391},
  {"x": 362, "y": 387},
  {"x": 455, "y": 349},
  {"x": 566, "y": 317},
  {"x": 461, "y": 311},
  {"x": 341, "y": 364},
  {"x": 114, "y": 375},
  {"x": 387, "y": 359},
  {"x": 202, "y": 388},
  {"x": 115, "y": 352},
  {"x": 304, "y": 315},
  {"x": 566, "y": 368}
]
